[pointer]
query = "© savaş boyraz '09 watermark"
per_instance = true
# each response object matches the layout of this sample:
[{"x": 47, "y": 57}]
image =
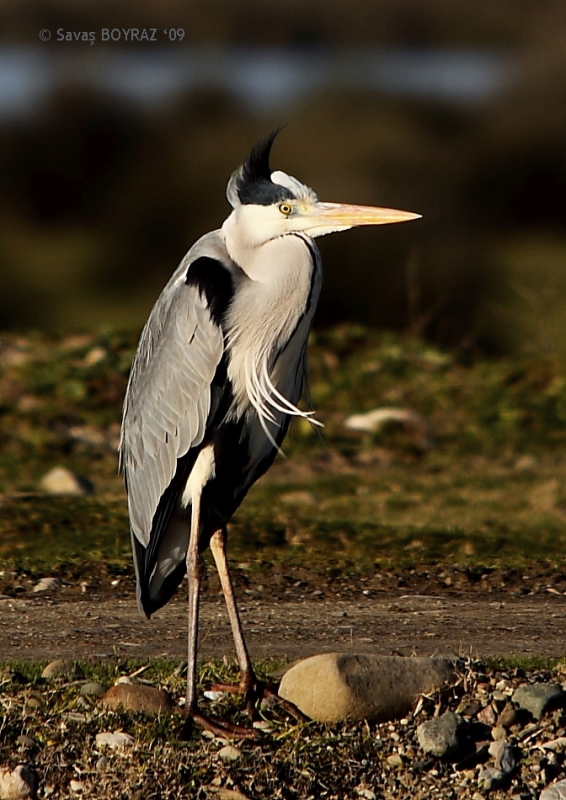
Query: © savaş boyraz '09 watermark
[{"x": 110, "y": 35}]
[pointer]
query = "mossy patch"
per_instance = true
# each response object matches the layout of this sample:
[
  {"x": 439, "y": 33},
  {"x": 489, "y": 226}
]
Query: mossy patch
[{"x": 482, "y": 481}]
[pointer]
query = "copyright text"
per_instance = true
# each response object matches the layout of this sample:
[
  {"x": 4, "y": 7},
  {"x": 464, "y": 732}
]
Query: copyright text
[{"x": 107, "y": 35}]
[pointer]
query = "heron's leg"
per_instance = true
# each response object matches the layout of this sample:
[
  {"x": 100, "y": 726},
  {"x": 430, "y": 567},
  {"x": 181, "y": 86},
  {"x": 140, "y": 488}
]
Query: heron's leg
[
  {"x": 249, "y": 686},
  {"x": 218, "y": 547},
  {"x": 194, "y": 577}
]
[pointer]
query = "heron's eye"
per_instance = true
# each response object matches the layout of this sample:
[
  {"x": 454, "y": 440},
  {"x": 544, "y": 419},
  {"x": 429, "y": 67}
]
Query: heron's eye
[{"x": 285, "y": 208}]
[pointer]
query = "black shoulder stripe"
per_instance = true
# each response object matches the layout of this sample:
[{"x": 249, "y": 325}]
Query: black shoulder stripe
[
  {"x": 214, "y": 281},
  {"x": 315, "y": 258},
  {"x": 311, "y": 247}
]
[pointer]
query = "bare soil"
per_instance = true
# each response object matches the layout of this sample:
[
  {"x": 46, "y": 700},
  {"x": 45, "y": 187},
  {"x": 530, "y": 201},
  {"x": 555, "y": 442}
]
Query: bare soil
[{"x": 95, "y": 625}]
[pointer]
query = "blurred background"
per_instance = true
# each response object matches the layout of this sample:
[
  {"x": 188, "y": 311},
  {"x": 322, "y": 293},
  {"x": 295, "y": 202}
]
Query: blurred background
[{"x": 115, "y": 155}]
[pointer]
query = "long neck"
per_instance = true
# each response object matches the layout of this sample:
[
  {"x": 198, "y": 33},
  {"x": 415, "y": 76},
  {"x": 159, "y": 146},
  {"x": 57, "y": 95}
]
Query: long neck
[
  {"x": 266, "y": 310},
  {"x": 247, "y": 253}
]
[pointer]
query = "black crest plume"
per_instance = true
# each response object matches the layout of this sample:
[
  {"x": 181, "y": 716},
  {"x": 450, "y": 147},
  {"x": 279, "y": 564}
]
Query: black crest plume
[
  {"x": 256, "y": 166},
  {"x": 255, "y": 186}
]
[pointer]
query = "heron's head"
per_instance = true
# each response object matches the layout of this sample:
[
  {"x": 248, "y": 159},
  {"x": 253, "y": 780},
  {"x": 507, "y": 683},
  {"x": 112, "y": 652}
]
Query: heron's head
[{"x": 268, "y": 204}]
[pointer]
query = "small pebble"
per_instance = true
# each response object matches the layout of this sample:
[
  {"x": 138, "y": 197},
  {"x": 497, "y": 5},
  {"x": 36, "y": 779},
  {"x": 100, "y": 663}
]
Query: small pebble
[
  {"x": 213, "y": 695},
  {"x": 504, "y": 756},
  {"x": 47, "y": 585},
  {"x": 395, "y": 760},
  {"x": 138, "y": 697},
  {"x": 62, "y": 669},
  {"x": 488, "y": 716},
  {"x": 440, "y": 736},
  {"x": 102, "y": 763},
  {"x": 498, "y": 733},
  {"x": 218, "y": 792},
  {"x": 115, "y": 740},
  {"x": 229, "y": 753},
  {"x": 503, "y": 684},
  {"x": 74, "y": 716},
  {"x": 95, "y": 356},
  {"x": 555, "y": 744},
  {"x": 508, "y": 717},
  {"x": 556, "y": 791},
  {"x": 61, "y": 481},
  {"x": 25, "y": 741},
  {"x": 93, "y": 690},
  {"x": 77, "y": 786},
  {"x": 490, "y": 777},
  {"x": 18, "y": 783},
  {"x": 468, "y": 709},
  {"x": 366, "y": 793},
  {"x": 263, "y": 726}
]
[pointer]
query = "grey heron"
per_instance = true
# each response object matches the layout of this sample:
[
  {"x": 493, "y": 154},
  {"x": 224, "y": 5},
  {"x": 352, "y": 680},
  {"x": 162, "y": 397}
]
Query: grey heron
[{"x": 215, "y": 381}]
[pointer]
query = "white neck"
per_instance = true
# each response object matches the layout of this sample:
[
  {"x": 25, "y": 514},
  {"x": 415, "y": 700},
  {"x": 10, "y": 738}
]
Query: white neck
[
  {"x": 271, "y": 302},
  {"x": 253, "y": 235}
]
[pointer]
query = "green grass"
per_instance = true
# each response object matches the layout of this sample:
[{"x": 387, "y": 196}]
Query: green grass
[
  {"x": 481, "y": 481},
  {"x": 407, "y": 517},
  {"x": 523, "y": 664}
]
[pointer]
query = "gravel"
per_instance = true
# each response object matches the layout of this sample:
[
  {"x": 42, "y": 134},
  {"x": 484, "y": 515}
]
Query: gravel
[{"x": 504, "y": 755}]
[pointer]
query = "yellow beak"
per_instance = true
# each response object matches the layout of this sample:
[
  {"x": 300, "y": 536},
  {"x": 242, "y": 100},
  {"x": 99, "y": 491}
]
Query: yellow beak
[{"x": 348, "y": 216}]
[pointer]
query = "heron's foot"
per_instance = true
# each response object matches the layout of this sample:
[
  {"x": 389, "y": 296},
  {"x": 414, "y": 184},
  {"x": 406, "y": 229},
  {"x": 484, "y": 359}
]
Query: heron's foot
[
  {"x": 254, "y": 691},
  {"x": 219, "y": 727}
]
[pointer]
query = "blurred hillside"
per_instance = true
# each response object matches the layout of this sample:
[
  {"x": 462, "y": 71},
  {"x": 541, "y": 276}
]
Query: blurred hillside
[{"x": 115, "y": 156}]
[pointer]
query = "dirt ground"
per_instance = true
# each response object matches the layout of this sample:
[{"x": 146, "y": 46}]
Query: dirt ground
[{"x": 479, "y": 623}]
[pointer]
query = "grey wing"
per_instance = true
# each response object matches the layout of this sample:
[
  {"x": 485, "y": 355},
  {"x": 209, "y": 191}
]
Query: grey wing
[{"x": 168, "y": 397}]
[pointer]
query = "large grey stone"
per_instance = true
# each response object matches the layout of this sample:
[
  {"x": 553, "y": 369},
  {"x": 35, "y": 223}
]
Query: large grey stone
[
  {"x": 440, "y": 736},
  {"x": 539, "y": 697},
  {"x": 557, "y": 791},
  {"x": 335, "y": 686}
]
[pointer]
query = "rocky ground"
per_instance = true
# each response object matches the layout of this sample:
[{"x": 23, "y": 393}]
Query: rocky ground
[
  {"x": 486, "y": 738},
  {"x": 442, "y": 537},
  {"x": 498, "y": 732}
]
